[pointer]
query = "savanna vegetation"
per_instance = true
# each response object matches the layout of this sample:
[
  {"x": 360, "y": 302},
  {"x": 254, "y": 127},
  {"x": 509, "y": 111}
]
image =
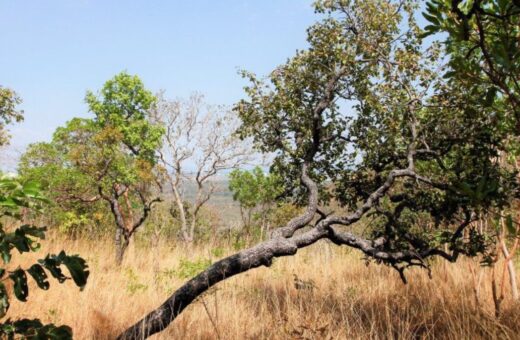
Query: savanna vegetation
[{"x": 366, "y": 188}]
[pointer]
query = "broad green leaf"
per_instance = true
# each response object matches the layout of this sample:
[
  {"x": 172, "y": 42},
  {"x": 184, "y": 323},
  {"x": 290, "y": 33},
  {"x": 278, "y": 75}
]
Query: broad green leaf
[
  {"x": 38, "y": 232},
  {"x": 51, "y": 263},
  {"x": 4, "y": 300},
  {"x": 78, "y": 269},
  {"x": 434, "y": 20},
  {"x": 35, "y": 329},
  {"x": 39, "y": 275},
  {"x": 21, "y": 290}
]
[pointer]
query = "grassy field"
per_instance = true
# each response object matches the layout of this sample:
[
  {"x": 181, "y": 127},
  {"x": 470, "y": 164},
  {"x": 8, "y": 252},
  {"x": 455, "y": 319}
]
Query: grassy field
[{"x": 345, "y": 299}]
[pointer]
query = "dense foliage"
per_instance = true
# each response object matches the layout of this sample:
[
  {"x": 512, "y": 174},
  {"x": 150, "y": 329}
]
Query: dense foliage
[
  {"x": 483, "y": 48},
  {"x": 9, "y": 112},
  {"x": 367, "y": 98},
  {"x": 17, "y": 200},
  {"x": 105, "y": 163},
  {"x": 256, "y": 192}
]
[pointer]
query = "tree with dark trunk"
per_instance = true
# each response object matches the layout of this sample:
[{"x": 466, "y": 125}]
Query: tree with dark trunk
[{"x": 364, "y": 116}]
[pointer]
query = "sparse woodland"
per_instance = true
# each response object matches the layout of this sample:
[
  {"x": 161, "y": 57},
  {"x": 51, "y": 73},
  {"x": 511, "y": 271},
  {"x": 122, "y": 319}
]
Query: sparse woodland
[{"x": 368, "y": 187}]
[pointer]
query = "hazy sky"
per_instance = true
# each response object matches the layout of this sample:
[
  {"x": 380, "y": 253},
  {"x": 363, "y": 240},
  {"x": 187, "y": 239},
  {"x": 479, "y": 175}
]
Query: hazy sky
[{"x": 52, "y": 51}]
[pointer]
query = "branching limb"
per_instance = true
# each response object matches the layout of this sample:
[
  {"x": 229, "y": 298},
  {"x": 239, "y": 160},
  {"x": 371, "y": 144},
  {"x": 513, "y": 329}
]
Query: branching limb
[
  {"x": 263, "y": 254},
  {"x": 302, "y": 220}
]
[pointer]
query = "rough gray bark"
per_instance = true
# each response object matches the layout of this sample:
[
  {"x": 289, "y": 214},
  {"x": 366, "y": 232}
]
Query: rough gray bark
[
  {"x": 121, "y": 247},
  {"x": 160, "y": 318},
  {"x": 118, "y": 243}
]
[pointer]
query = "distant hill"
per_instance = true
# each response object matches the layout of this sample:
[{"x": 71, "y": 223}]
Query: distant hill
[{"x": 222, "y": 199}]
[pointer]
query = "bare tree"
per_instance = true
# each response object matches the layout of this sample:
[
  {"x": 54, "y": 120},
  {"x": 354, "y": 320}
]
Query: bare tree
[{"x": 199, "y": 144}]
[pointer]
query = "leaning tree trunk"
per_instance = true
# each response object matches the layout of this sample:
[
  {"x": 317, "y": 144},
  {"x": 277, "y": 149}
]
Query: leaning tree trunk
[
  {"x": 245, "y": 260},
  {"x": 259, "y": 255},
  {"x": 121, "y": 245},
  {"x": 284, "y": 242}
]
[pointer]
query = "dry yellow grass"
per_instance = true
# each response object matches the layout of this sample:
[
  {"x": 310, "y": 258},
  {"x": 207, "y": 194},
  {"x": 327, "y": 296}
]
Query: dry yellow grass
[{"x": 350, "y": 300}]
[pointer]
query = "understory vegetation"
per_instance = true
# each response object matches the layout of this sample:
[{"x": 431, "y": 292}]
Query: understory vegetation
[{"x": 346, "y": 298}]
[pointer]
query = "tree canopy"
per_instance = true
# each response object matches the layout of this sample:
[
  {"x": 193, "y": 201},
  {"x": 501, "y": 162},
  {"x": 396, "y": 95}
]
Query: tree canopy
[
  {"x": 9, "y": 113},
  {"x": 483, "y": 48},
  {"x": 370, "y": 116},
  {"x": 109, "y": 158}
]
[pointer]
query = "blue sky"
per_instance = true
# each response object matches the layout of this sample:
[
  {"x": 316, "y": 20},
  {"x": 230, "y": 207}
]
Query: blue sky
[{"x": 52, "y": 51}]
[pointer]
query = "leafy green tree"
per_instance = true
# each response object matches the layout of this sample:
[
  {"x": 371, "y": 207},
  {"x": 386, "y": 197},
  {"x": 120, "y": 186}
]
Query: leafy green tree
[
  {"x": 256, "y": 193},
  {"x": 9, "y": 100},
  {"x": 110, "y": 158},
  {"x": 481, "y": 39},
  {"x": 16, "y": 200},
  {"x": 364, "y": 118},
  {"x": 67, "y": 189},
  {"x": 483, "y": 47},
  {"x": 123, "y": 108}
]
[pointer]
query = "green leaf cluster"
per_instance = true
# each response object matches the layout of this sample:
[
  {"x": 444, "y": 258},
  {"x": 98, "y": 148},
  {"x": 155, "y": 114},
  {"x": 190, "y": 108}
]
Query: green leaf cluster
[
  {"x": 93, "y": 159},
  {"x": 9, "y": 100},
  {"x": 24, "y": 238},
  {"x": 370, "y": 93},
  {"x": 252, "y": 188}
]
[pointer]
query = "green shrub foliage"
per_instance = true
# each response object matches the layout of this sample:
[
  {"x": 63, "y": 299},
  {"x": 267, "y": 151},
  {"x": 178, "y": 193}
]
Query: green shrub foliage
[{"x": 17, "y": 200}]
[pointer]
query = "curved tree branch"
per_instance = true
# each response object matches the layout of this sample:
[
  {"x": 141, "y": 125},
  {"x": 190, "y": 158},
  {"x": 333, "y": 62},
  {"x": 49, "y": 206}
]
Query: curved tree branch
[
  {"x": 260, "y": 255},
  {"x": 300, "y": 221},
  {"x": 263, "y": 254}
]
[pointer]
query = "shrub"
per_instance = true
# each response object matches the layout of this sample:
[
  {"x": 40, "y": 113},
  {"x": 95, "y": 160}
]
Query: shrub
[{"x": 16, "y": 200}]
